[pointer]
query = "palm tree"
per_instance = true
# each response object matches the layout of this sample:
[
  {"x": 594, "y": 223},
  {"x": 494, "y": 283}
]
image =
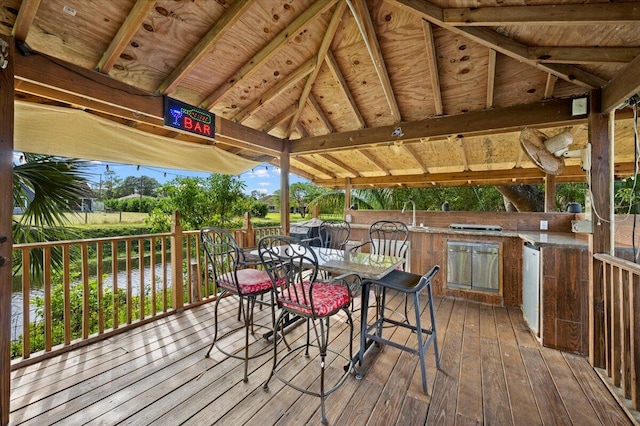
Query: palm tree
[
  {"x": 44, "y": 187},
  {"x": 375, "y": 199}
]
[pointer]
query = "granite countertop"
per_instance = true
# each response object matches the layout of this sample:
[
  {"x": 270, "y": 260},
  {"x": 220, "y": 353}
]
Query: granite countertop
[{"x": 540, "y": 239}]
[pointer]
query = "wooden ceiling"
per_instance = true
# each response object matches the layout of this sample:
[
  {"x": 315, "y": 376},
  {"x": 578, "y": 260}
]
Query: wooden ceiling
[{"x": 379, "y": 92}]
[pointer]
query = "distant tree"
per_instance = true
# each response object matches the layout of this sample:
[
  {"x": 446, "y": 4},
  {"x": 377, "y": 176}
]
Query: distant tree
[
  {"x": 302, "y": 193},
  {"x": 142, "y": 185},
  {"x": 110, "y": 181},
  {"x": 203, "y": 202}
]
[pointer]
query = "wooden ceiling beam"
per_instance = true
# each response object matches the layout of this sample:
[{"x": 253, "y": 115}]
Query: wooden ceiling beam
[
  {"x": 379, "y": 164},
  {"x": 130, "y": 26},
  {"x": 313, "y": 102},
  {"x": 360, "y": 13},
  {"x": 268, "y": 51},
  {"x": 229, "y": 18},
  {"x": 313, "y": 166},
  {"x": 432, "y": 64},
  {"x": 322, "y": 53},
  {"x": 556, "y": 112},
  {"x": 57, "y": 80},
  {"x": 582, "y": 55},
  {"x": 339, "y": 77},
  {"x": 26, "y": 15},
  {"x": 491, "y": 177},
  {"x": 230, "y": 132},
  {"x": 416, "y": 157},
  {"x": 283, "y": 86},
  {"x": 330, "y": 158},
  {"x": 621, "y": 87},
  {"x": 559, "y": 14},
  {"x": 503, "y": 44},
  {"x": 491, "y": 77}
]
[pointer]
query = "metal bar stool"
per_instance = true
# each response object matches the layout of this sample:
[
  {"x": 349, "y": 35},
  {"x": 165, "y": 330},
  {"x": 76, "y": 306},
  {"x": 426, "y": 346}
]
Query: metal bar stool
[
  {"x": 409, "y": 284},
  {"x": 232, "y": 276},
  {"x": 293, "y": 267}
]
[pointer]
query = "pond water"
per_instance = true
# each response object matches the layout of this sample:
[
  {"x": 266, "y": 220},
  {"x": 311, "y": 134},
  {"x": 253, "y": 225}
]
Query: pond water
[{"x": 16, "y": 295}]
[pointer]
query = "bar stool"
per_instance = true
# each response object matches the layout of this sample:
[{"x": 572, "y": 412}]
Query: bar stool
[
  {"x": 230, "y": 271},
  {"x": 293, "y": 268},
  {"x": 409, "y": 284}
]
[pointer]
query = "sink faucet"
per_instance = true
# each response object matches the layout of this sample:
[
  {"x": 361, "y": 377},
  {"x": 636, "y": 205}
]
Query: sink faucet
[{"x": 404, "y": 208}]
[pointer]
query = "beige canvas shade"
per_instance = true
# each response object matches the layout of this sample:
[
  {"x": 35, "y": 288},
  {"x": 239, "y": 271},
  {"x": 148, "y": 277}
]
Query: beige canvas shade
[{"x": 73, "y": 133}]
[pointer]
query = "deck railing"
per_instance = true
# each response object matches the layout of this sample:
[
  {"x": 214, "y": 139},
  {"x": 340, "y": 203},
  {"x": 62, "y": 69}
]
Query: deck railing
[
  {"x": 621, "y": 292},
  {"x": 88, "y": 290}
]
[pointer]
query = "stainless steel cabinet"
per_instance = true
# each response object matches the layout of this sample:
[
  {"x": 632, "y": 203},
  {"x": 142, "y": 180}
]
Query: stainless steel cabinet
[{"x": 473, "y": 266}]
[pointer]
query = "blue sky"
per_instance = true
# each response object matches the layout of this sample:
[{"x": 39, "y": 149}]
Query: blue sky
[{"x": 265, "y": 178}]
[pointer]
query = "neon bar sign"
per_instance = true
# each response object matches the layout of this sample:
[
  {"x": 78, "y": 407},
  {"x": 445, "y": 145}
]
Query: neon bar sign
[{"x": 189, "y": 118}]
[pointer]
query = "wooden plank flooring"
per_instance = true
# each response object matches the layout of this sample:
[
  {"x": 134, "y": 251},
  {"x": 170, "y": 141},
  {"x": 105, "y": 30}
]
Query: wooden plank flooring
[{"x": 492, "y": 371}]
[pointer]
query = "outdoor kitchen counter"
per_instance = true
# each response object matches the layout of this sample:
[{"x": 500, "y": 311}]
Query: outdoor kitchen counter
[{"x": 540, "y": 239}]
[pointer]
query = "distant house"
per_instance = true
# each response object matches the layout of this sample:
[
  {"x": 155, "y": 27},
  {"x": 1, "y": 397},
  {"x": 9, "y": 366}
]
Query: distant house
[{"x": 270, "y": 200}]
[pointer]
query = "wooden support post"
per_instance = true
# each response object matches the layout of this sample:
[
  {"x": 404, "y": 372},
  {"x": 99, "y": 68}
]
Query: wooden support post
[
  {"x": 177, "y": 285},
  {"x": 347, "y": 196},
  {"x": 285, "y": 221},
  {"x": 601, "y": 241},
  {"x": 550, "y": 193},
  {"x": 7, "y": 57},
  {"x": 250, "y": 234},
  {"x": 315, "y": 213}
]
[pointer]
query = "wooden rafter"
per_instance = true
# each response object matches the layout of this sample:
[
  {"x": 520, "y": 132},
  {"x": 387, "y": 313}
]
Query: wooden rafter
[
  {"x": 284, "y": 85},
  {"x": 550, "y": 86},
  {"x": 339, "y": 77},
  {"x": 189, "y": 62},
  {"x": 130, "y": 26},
  {"x": 279, "y": 119},
  {"x": 416, "y": 157},
  {"x": 552, "y": 113},
  {"x": 322, "y": 53},
  {"x": 490, "y": 177},
  {"x": 432, "y": 64},
  {"x": 559, "y": 14},
  {"x": 362, "y": 17},
  {"x": 313, "y": 102},
  {"x": 624, "y": 85},
  {"x": 332, "y": 159},
  {"x": 379, "y": 164},
  {"x": 301, "y": 130},
  {"x": 491, "y": 77},
  {"x": 267, "y": 52},
  {"x": 313, "y": 166},
  {"x": 582, "y": 55},
  {"x": 463, "y": 155},
  {"x": 26, "y": 15},
  {"x": 502, "y": 44}
]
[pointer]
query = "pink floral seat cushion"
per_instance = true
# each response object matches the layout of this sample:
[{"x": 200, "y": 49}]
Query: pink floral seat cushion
[
  {"x": 250, "y": 281},
  {"x": 327, "y": 298}
]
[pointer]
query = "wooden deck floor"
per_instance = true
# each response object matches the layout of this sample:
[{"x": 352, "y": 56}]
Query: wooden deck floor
[{"x": 493, "y": 371}]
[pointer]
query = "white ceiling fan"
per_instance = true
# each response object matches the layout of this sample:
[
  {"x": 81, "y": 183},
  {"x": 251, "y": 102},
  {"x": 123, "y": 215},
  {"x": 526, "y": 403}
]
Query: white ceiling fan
[{"x": 548, "y": 153}]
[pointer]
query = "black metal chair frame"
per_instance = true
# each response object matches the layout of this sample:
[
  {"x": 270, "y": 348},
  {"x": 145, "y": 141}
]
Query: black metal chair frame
[
  {"x": 226, "y": 259},
  {"x": 409, "y": 284},
  {"x": 388, "y": 238},
  {"x": 334, "y": 234},
  {"x": 292, "y": 263}
]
